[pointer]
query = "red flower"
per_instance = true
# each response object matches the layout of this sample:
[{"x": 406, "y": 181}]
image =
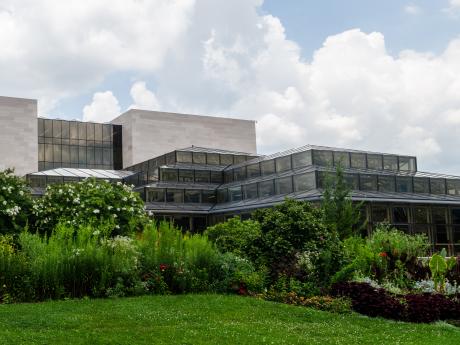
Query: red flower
[
  {"x": 163, "y": 267},
  {"x": 383, "y": 254}
]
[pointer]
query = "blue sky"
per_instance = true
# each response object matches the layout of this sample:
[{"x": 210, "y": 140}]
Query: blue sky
[{"x": 373, "y": 75}]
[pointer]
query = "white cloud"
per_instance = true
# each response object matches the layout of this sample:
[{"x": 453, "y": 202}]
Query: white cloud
[
  {"x": 412, "y": 9},
  {"x": 103, "y": 108},
  {"x": 453, "y": 9},
  {"x": 143, "y": 98}
]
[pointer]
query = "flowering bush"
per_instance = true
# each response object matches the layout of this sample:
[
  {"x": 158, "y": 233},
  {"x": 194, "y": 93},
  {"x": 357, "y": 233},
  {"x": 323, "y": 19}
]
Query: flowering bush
[
  {"x": 90, "y": 202},
  {"x": 15, "y": 202}
]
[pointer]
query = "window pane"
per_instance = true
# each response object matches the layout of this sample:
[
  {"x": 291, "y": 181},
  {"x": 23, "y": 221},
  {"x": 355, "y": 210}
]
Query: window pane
[
  {"x": 368, "y": 182},
  {"x": 41, "y": 152},
  {"x": 437, "y": 186},
  {"x": 456, "y": 234},
  {"x": 192, "y": 196},
  {"x": 57, "y": 129},
  {"x": 284, "y": 185},
  {"x": 387, "y": 184},
  {"x": 208, "y": 197},
  {"x": 239, "y": 159},
  {"x": 239, "y": 173},
  {"x": 420, "y": 215},
  {"x": 65, "y": 151},
  {"x": 267, "y": 167},
  {"x": 250, "y": 191},
  {"x": 184, "y": 157},
  {"x": 73, "y": 130},
  {"x": 421, "y": 185},
  {"x": 403, "y": 184},
  {"x": 301, "y": 159},
  {"x": 400, "y": 215},
  {"x": 98, "y": 155},
  {"x": 253, "y": 170},
  {"x": 322, "y": 158},
  {"x": 283, "y": 164},
  {"x": 106, "y": 132},
  {"x": 235, "y": 193},
  {"x": 199, "y": 157},
  {"x": 352, "y": 181},
  {"x": 90, "y": 157},
  {"x": 228, "y": 176},
  {"x": 453, "y": 187},
  {"x": 48, "y": 128},
  {"x": 202, "y": 176},
  {"x": 304, "y": 182},
  {"x": 379, "y": 214},
  {"x": 57, "y": 153},
  {"x": 185, "y": 175},
  {"x": 175, "y": 195},
  {"x": 266, "y": 188},
  {"x": 374, "y": 162},
  {"x": 440, "y": 232},
  {"x": 81, "y": 131},
  {"x": 439, "y": 215},
  {"x": 82, "y": 155},
  {"x": 390, "y": 162},
  {"x": 41, "y": 127},
  {"x": 216, "y": 177},
  {"x": 222, "y": 195},
  {"x": 98, "y": 131},
  {"x": 170, "y": 158},
  {"x": 168, "y": 175},
  {"x": 407, "y": 163},
  {"x": 226, "y": 159},
  {"x": 342, "y": 158},
  {"x": 456, "y": 216},
  {"x": 74, "y": 154},
  {"x": 156, "y": 195},
  {"x": 212, "y": 159},
  {"x": 358, "y": 160},
  {"x": 89, "y": 131}
]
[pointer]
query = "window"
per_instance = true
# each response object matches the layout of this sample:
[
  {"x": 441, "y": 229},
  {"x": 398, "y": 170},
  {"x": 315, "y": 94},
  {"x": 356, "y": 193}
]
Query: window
[
  {"x": 216, "y": 177},
  {"x": 222, "y": 195},
  {"x": 342, "y": 158},
  {"x": 322, "y": 158},
  {"x": 175, "y": 195},
  {"x": 169, "y": 175},
  {"x": 239, "y": 159},
  {"x": 239, "y": 173},
  {"x": 352, "y": 181},
  {"x": 304, "y": 182},
  {"x": 228, "y": 176},
  {"x": 403, "y": 184},
  {"x": 379, "y": 214},
  {"x": 400, "y": 215},
  {"x": 420, "y": 215},
  {"x": 156, "y": 195},
  {"x": 387, "y": 183},
  {"x": 283, "y": 164},
  {"x": 437, "y": 186},
  {"x": 453, "y": 187},
  {"x": 358, "y": 160},
  {"x": 301, "y": 159},
  {"x": 184, "y": 157},
  {"x": 324, "y": 177},
  {"x": 202, "y": 176},
  {"x": 57, "y": 129},
  {"x": 186, "y": 175},
  {"x": 374, "y": 162},
  {"x": 250, "y": 191},
  {"x": 170, "y": 158},
  {"x": 390, "y": 163},
  {"x": 208, "y": 197},
  {"x": 212, "y": 159},
  {"x": 456, "y": 216},
  {"x": 226, "y": 159},
  {"x": 266, "y": 188},
  {"x": 253, "y": 170},
  {"x": 199, "y": 157},
  {"x": 235, "y": 193},
  {"x": 406, "y": 163},
  {"x": 439, "y": 215},
  {"x": 368, "y": 182},
  {"x": 267, "y": 167},
  {"x": 284, "y": 185},
  {"x": 192, "y": 196},
  {"x": 421, "y": 185}
]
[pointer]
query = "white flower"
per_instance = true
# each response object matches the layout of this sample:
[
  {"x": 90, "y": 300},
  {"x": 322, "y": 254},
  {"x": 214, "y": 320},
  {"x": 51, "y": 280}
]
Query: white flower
[{"x": 96, "y": 211}]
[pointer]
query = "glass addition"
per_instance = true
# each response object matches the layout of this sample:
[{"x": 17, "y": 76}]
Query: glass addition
[
  {"x": 301, "y": 159},
  {"x": 374, "y": 162},
  {"x": 322, "y": 158},
  {"x": 284, "y": 185},
  {"x": 421, "y": 185},
  {"x": 387, "y": 184},
  {"x": 368, "y": 182},
  {"x": 358, "y": 160},
  {"x": 250, "y": 191},
  {"x": 267, "y": 167},
  {"x": 304, "y": 182},
  {"x": 266, "y": 188},
  {"x": 342, "y": 158},
  {"x": 283, "y": 164}
]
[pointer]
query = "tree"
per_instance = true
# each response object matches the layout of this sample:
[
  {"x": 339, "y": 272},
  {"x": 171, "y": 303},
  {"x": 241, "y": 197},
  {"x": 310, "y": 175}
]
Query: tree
[{"x": 340, "y": 214}]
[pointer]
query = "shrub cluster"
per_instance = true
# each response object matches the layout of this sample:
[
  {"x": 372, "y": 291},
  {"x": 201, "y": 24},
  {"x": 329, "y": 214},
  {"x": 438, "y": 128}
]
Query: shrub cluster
[{"x": 372, "y": 301}]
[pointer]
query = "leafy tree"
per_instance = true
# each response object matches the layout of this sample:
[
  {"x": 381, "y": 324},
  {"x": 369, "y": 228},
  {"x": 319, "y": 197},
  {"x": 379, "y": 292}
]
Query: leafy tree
[
  {"x": 90, "y": 202},
  {"x": 340, "y": 213},
  {"x": 15, "y": 202}
]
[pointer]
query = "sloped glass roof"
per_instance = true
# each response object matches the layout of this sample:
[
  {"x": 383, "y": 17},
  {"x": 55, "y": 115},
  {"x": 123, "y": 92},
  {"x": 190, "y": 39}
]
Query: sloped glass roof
[{"x": 86, "y": 173}]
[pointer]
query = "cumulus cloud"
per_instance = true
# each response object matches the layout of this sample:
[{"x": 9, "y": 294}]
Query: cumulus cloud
[
  {"x": 103, "y": 108},
  {"x": 143, "y": 98},
  {"x": 453, "y": 9}
]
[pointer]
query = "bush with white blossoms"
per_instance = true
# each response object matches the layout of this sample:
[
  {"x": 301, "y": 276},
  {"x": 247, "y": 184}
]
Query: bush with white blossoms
[
  {"x": 90, "y": 202},
  {"x": 15, "y": 202}
]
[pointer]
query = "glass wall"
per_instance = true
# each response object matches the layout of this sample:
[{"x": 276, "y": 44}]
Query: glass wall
[
  {"x": 73, "y": 144},
  {"x": 176, "y": 195}
]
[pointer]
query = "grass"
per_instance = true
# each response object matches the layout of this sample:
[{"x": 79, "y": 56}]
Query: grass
[{"x": 203, "y": 319}]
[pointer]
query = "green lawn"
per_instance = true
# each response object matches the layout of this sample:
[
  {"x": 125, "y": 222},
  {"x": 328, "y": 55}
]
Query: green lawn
[{"x": 202, "y": 319}]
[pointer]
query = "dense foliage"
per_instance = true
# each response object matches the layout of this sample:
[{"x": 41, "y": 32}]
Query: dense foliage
[
  {"x": 90, "y": 202},
  {"x": 15, "y": 203}
]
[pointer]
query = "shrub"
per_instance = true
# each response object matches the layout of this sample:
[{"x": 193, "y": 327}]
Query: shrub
[
  {"x": 236, "y": 236},
  {"x": 15, "y": 203},
  {"x": 90, "y": 202}
]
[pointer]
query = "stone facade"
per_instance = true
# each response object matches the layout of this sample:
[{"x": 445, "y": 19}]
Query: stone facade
[
  {"x": 148, "y": 134},
  {"x": 18, "y": 135}
]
